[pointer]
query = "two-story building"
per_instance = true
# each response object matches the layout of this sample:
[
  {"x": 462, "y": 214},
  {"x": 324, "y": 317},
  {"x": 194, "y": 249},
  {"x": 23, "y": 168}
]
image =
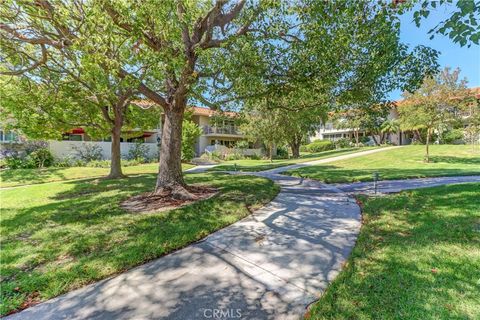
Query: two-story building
[{"x": 219, "y": 132}]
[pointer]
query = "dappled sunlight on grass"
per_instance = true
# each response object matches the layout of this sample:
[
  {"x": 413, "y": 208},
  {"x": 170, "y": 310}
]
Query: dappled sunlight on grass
[
  {"x": 417, "y": 257},
  {"x": 18, "y": 177},
  {"x": 60, "y": 237}
]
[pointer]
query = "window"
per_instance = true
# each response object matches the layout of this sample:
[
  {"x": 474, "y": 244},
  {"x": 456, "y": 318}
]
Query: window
[
  {"x": 72, "y": 137},
  {"x": 226, "y": 143}
]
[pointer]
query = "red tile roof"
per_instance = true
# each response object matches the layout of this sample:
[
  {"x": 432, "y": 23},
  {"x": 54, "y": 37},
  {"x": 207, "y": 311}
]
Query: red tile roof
[{"x": 197, "y": 111}]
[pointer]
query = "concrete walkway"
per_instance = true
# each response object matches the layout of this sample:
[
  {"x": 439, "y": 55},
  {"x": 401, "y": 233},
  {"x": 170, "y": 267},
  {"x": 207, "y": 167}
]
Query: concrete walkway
[
  {"x": 271, "y": 265},
  {"x": 327, "y": 160},
  {"x": 392, "y": 186}
]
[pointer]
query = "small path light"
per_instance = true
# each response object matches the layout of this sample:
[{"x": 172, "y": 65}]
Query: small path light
[
  {"x": 375, "y": 181},
  {"x": 235, "y": 167}
]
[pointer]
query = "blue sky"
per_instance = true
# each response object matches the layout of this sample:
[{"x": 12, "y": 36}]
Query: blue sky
[{"x": 451, "y": 54}]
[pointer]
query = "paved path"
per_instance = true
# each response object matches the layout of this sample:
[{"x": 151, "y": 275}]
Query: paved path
[
  {"x": 200, "y": 168},
  {"x": 271, "y": 265},
  {"x": 327, "y": 160},
  {"x": 390, "y": 186}
]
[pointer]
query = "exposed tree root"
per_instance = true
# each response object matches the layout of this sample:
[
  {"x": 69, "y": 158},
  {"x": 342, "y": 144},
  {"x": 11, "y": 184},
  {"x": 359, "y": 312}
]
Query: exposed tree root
[{"x": 167, "y": 198}]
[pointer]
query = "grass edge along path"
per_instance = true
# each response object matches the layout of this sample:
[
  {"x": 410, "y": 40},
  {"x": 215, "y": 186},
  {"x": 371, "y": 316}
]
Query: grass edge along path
[
  {"x": 399, "y": 163},
  {"x": 74, "y": 233},
  {"x": 261, "y": 165},
  {"x": 417, "y": 257}
]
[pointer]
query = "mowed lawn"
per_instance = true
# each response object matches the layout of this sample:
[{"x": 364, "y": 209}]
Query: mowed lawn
[
  {"x": 265, "y": 164},
  {"x": 401, "y": 163},
  {"x": 65, "y": 235},
  {"x": 18, "y": 177},
  {"x": 417, "y": 257}
]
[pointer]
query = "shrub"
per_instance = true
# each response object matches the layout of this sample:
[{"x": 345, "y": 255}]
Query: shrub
[
  {"x": 41, "y": 157},
  {"x": 99, "y": 164},
  {"x": 453, "y": 136},
  {"x": 254, "y": 157},
  {"x": 282, "y": 153},
  {"x": 242, "y": 144},
  {"x": 211, "y": 156},
  {"x": 31, "y": 146},
  {"x": 364, "y": 139},
  {"x": 234, "y": 156},
  {"x": 36, "y": 155},
  {"x": 342, "y": 143},
  {"x": 88, "y": 152},
  {"x": 318, "y": 146},
  {"x": 190, "y": 132},
  {"x": 138, "y": 152}
]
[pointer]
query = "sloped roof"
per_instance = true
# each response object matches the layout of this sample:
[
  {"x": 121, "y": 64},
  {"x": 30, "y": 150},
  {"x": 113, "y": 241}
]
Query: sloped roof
[{"x": 197, "y": 111}]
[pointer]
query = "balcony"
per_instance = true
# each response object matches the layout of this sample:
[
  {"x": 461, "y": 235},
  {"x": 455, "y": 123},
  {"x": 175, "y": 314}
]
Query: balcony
[{"x": 223, "y": 130}]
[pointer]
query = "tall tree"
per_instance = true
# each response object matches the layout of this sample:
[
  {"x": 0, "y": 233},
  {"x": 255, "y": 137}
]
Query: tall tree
[
  {"x": 435, "y": 103},
  {"x": 341, "y": 55},
  {"x": 462, "y": 24},
  {"x": 181, "y": 38},
  {"x": 67, "y": 50}
]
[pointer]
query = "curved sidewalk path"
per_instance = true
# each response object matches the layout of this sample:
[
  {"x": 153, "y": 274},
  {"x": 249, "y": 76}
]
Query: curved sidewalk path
[{"x": 270, "y": 265}]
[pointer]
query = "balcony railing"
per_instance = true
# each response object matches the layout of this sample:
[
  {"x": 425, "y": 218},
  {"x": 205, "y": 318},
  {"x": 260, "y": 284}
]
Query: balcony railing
[{"x": 221, "y": 130}]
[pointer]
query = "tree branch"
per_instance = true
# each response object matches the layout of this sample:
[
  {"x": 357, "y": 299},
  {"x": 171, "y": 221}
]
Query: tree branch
[{"x": 33, "y": 66}]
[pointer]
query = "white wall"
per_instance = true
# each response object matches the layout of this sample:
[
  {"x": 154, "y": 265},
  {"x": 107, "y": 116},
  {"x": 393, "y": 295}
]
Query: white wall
[{"x": 62, "y": 149}]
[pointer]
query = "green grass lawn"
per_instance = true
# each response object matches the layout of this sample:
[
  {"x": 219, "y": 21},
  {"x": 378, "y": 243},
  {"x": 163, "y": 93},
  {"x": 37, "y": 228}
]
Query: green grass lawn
[
  {"x": 404, "y": 162},
  {"x": 61, "y": 237},
  {"x": 18, "y": 177},
  {"x": 260, "y": 165},
  {"x": 417, "y": 257}
]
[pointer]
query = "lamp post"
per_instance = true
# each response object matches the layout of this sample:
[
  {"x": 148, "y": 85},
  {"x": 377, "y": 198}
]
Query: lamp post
[{"x": 375, "y": 181}]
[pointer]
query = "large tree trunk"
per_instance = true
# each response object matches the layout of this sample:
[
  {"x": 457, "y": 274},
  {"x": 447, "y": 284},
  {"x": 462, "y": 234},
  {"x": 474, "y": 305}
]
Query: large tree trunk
[
  {"x": 170, "y": 176},
  {"x": 295, "y": 146},
  {"x": 116, "y": 162}
]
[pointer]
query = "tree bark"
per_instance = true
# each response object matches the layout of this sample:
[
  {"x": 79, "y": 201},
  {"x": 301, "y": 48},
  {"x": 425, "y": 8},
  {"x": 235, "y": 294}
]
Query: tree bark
[
  {"x": 170, "y": 176},
  {"x": 116, "y": 161},
  {"x": 295, "y": 146}
]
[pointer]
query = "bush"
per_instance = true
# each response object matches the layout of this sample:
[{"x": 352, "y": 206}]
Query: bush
[
  {"x": 364, "y": 140},
  {"x": 190, "y": 133},
  {"x": 88, "y": 152},
  {"x": 211, "y": 156},
  {"x": 253, "y": 157},
  {"x": 41, "y": 157},
  {"x": 242, "y": 144},
  {"x": 138, "y": 152},
  {"x": 36, "y": 155},
  {"x": 282, "y": 153},
  {"x": 342, "y": 143},
  {"x": 318, "y": 146},
  {"x": 98, "y": 164},
  {"x": 453, "y": 136},
  {"x": 234, "y": 156}
]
